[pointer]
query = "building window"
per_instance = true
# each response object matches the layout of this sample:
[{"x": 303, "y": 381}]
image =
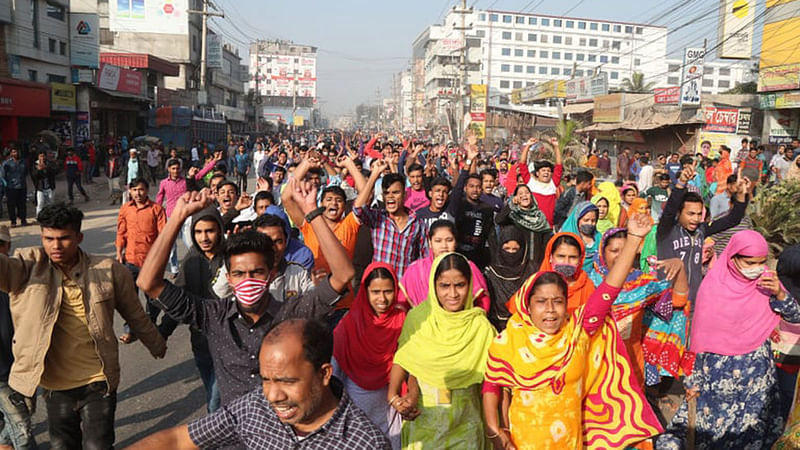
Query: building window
[
  {"x": 615, "y": 45},
  {"x": 505, "y": 51},
  {"x": 593, "y": 26},
  {"x": 518, "y": 36},
  {"x": 579, "y": 72},
  {"x": 570, "y": 24},
  {"x": 567, "y": 40},
  {"x": 543, "y": 54},
  {"x": 55, "y": 11},
  {"x": 556, "y": 55},
  {"x": 492, "y": 17},
  {"x": 581, "y": 25},
  {"x": 517, "y": 84},
  {"x": 529, "y": 83},
  {"x": 532, "y": 21},
  {"x": 32, "y": 75},
  {"x": 673, "y": 67},
  {"x": 545, "y": 22},
  {"x": 520, "y": 20},
  {"x": 592, "y": 42},
  {"x": 639, "y": 30},
  {"x": 35, "y": 24},
  {"x": 708, "y": 70},
  {"x": 708, "y": 82},
  {"x": 582, "y": 42},
  {"x": 482, "y": 17},
  {"x": 518, "y": 52},
  {"x": 567, "y": 71},
  {"x": 606, "y": 43},
  {"x": 628, "y": 29},
  {"x": 579, "y": 57},
  {"x": 637, "y": 62},
  {"x": 557, "y": 22},
  {"x": 505, "y": 68},
  {"x": 603, "y": 59},
  {"x": 592, "y": 58},
  {"x": 617, "y": 28},
  {"x": 504, "y": 84},
  {"x": 605, "y": 27},
  {"x": 615, "y": 60},
  {"x": 518, "y": 68},
  {"x": 724, "y": 83},
  {"x": 506, "y": 19},
  {"x": 614, "y": 75},
  {"x": 480, "y": 33},
  {"x": 673, "y": 81},
  {"x": 507, "y": 35},
  {"x": 62, "y": 48},
  {"x": 542, "y": 70},
  {"x": 556, "y": 39},
  {"x": 555, "y": 71},
  {"x": 544, "y": 39},
  {"x": 531, "y": 37},
  {"x": 503, "y": 100},
  {"x": 51, "y": 45},
  {"x": 56, "y": 78},
  {"x": 568, "y": 56},
  {"x": 194, "y": 42},
  {"x": 531, "y": 53},
  {"x": 725, "y": 72},
  {"x": 531, "y": 69}
]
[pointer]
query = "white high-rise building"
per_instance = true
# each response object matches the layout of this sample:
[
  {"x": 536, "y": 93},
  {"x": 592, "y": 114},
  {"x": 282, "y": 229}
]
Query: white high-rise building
[{"x": 718, "y": 76}]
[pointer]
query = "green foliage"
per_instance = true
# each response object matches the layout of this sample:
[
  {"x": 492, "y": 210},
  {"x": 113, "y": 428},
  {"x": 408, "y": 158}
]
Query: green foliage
[
  {"x": 743, "y": 88},
  {"x": 776, "y": 216},
  {"x": 635, "y": 84}
]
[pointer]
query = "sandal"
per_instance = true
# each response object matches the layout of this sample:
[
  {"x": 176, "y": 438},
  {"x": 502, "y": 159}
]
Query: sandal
[{"x": 128, "y": 338}]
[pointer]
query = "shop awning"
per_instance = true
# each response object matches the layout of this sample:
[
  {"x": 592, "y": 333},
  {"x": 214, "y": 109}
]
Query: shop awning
[
  {"x": 650, "y": 119},
  {"x": 119, "y": 94},
  {"x": 141, "y": 61},
  {"x": 578, "y": 108}
]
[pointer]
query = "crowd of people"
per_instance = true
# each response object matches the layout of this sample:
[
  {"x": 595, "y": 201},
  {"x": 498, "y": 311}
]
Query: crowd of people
[{"x": 390, "y": 291}]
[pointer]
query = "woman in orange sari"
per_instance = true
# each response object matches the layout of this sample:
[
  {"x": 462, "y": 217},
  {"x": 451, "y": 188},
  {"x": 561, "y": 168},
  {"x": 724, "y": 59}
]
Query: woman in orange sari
[
  {"x": 571, "y": 382},
  {"x": 564, "y": 254},
  {"x": 724, "y": 169}
]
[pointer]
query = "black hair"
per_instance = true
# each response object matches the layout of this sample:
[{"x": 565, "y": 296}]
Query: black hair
[
  {"x": 619, "y": 234},
  {"x": 381, "y": 273},
  {"x": 441, "y": 223},
  {"x": 519, "y": 186},
  {"x": 228, "y": 183},
  {"x": 317, "y": 339},
  {"x": 60, "y": 217},
  {"x": 644, "y": 159},
  {"x": 492, "y": 172},
  {"x": 270, "y": 220},
  {"x": 415, "y": 168},
  {"x": 335, "y": 190},
  {"x": 550, "y": 278},
  {"x": 453, "y": 261},
  {"x": 732, "y": 179},
  {"x": 691, "y": 197},
  {"x": 249, "y": 241},
  {"x": 137, "y": 181},
  {"x": 279, "y": 169},
  {"x": 315, "y": 171},
  {"x": 566, "y": 239},
  {"x": 687, "y": 159},
  {"x": 583, "y": 176},
  {"x": 664, "y": 177},
  {"x": 440, "y": 181},
  {"x": 542, "y": 164},
  {"x": 474, "y": 176},
  {"x": 173, "y": 162},
  {"x": 392, "y": 178},
  {"x": 264, "y": 195},
  {"x": 213, "y": 177}
]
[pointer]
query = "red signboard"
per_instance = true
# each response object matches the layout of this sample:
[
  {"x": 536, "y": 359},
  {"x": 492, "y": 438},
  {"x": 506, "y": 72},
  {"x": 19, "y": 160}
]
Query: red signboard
[
  {"x": 720, "y": 120},
  {"x": 115, "y": 78},
  {"x": 17, "y": 99},
  {"x": 669, "y": 95}
]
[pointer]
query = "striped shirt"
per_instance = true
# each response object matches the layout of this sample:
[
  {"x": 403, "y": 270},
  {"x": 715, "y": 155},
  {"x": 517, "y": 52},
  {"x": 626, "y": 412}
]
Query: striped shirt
[{"x": 391, "y": 245}]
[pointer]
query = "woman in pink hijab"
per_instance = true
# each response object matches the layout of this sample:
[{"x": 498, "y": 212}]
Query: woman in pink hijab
[{"x": 738, "y": 305}]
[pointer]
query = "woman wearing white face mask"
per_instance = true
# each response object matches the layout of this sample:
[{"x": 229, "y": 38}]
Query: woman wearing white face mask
[{"x": 738, "y": 305}]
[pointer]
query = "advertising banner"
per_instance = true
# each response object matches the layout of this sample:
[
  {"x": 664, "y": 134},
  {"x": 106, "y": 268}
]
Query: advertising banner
[
  {"x": 717, "y": 139},
  {"x": 149, "y": 16},
  {"x": 781, "y": 126},
  {"x": 115, "y": 78},
  {"x": 743, "y": 127},
  {"x": 667, "y": 96},
  {"x": 62, "y": 97},
  {"x": 24, "y": 101},
  {"x": 721, "y": 120},
  {"x": 609, "y": 108},
  {"x": 477, "y": 109},
  {"x": 81, "y": 127},
  {"x": 779, "y": 78},
  {"x": 214, "y": 51},
  {"x": 586, "y": 88},
  {"x": 736, "y": 22},
  {"x": 84, "y": 36},
  {"x": 692, "y": 77}
]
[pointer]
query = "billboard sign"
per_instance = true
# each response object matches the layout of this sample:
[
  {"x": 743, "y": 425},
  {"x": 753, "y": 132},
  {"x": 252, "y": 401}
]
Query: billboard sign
[
  {"x": 587, "y": 88},
  {"x": 721, "y": 120},
  {"x": 668, "y": 95},
  {"x": 115, "y": 78},
  {"x": 84, "y": 36},
  {"x": 149, "y": 16},
  {"x": 214, "y": 51},
  {"x": 692, "y": 78},
  {"x": 779, "y": 78},
  {"x": 736, "y": 23},
  {"x": 609, "y": 108},
  {"x": 62, "y": 97}
]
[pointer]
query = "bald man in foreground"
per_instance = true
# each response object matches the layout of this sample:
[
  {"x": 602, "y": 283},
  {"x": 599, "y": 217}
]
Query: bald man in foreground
[{"x": 301, "y": 405}]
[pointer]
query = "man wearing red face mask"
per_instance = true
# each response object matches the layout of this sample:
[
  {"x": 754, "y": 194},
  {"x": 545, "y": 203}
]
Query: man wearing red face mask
[{"x": 235, "y": 326}]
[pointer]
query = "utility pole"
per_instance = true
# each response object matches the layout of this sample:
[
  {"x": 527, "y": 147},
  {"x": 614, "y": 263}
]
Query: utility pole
[
  {"x": 463, "y": 88},
  {"x": 204, "y": 39}
]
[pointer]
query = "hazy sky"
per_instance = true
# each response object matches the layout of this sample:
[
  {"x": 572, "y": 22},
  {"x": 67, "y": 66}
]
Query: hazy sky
[{"x": 363, "y": 42}]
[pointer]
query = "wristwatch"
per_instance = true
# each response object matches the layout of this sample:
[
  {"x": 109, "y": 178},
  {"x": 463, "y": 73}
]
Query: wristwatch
[
  {"x": 469, "y": 162},
  {"x": 314, "y": 214}
]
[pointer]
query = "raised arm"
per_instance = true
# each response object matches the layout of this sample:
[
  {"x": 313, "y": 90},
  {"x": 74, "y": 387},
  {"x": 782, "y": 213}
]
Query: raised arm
[
  {"x": 744, "y": 185},
  {"x": 342, "y": 271},
  {"x": 364, "y": 195},
  {"x": 347, "y": 162}
]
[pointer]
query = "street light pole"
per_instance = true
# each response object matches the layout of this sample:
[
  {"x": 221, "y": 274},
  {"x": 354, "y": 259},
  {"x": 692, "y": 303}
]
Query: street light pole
[{"x": 204, "y": 39}]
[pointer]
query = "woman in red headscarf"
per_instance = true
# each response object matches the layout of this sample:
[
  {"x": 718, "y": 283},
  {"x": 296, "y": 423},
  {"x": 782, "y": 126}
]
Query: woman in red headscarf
[{"x": 364, "y": 344}]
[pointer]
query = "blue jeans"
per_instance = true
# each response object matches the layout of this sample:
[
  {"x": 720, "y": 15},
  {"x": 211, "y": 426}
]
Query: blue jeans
[
  {"x": 174, "y": 262},
  {"x": 16, "y": 410},
  {"x": 205, "y": 365}
]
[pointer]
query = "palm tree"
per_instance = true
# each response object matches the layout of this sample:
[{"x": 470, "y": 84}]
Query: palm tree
[{"x": 635, "y": 84}]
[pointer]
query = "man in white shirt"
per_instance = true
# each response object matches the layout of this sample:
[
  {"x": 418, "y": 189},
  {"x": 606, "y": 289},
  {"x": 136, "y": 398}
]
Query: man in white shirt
[
  {"x": 645, "y": 174},
  {"x": 781, "y": 162}
]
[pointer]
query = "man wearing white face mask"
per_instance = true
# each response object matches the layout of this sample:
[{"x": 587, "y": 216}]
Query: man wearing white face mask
[{"x": 236, "y": 325}]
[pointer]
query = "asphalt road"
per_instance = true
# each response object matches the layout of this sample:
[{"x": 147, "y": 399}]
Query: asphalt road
[{"x": 153, "y": 394}]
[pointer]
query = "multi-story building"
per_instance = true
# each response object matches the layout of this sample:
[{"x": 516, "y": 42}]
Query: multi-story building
[
  {"x": 284, "y": 77},
  {"x": 521, "y": 50},
  {"x": 718, "y": 76},
  {"x": 37, "y": 41},
  {"x": 226, "y": 88}
]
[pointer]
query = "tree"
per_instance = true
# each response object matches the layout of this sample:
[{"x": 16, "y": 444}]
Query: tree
[
  {"x": 635, "y": 84},
  {"x": 750, "y": 87}
]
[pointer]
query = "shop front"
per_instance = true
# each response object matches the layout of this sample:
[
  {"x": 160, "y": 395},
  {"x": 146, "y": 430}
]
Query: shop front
[{"x": 24, "y": 110}]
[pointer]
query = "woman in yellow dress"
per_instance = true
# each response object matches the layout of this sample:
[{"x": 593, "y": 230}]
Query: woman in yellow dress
[{"x": 570, "y": 380}]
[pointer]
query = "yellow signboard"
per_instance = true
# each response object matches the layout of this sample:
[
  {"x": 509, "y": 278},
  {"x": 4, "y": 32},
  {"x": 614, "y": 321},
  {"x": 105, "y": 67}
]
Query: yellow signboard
[
  {"x": 781, "y": 42},
  {"x": 477, "y": 97},
  {"x": 779, "y": 78},
  {"x": 298, "y": 121},
  {"x": 62, "y": 97},
  {"x": 543, "y": 91}
]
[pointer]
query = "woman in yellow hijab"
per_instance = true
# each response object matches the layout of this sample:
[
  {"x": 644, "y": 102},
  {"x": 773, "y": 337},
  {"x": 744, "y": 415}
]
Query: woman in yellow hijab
[
  {"x": 606, "y": 190},
  {"x": 571, "y": 382},
  {"x": 442, "y": 354}
]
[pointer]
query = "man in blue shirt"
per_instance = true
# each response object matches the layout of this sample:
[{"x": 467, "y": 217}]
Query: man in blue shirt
[
  {"x": 673, "y": 168},
  {"x": 13, "y": 174},
  {"x": 242, "y": 168}
]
